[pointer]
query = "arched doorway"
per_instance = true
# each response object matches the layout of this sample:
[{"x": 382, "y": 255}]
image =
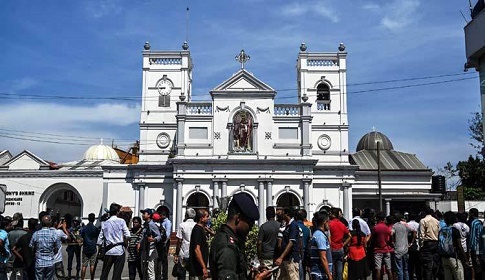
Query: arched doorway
[
  {"x": 288, "y": 199},
  {"x": 61, "y": 200},
  {"x": 197, "y": 200}
]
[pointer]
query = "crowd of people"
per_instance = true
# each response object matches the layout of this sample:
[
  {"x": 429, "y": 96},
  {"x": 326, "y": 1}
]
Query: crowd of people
[{"x": 427, "y": 245}]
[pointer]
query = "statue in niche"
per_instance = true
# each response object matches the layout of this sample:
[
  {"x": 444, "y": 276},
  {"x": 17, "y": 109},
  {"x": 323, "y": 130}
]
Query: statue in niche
[{"x": 242, "y": 132}]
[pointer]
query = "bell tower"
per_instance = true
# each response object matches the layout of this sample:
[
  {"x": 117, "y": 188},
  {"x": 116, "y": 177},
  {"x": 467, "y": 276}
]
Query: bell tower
[
  {"x": 322, "y": 81},
  {"x": 167, "y": 79}
]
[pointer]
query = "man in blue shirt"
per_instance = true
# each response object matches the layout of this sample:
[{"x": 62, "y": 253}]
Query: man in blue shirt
[
  {"x": 289, "y": 260},
  {"x": 89, "y": 233},
  {"x": 167, "y": 225},
  {"x": 305, "y": 237},
  {"x": 4, "y": 248},
  {"x": 45, "y": 243},
  {"x": 321, "y": 255}
]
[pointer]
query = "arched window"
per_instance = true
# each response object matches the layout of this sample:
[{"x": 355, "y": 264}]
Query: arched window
[
  {"x": 287, "y": 200},
  {"x": 323, "y": 92},
  {"x": 197, "y": 200}
]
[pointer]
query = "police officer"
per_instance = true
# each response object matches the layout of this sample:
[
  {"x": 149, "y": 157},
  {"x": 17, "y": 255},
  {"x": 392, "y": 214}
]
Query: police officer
[{"x": 227, "y": 256}]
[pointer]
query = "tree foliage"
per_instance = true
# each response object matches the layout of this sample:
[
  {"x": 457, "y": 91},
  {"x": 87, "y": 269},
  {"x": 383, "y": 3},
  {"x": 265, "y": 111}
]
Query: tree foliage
[
  {"x": 472, "y": 171},
  {"x": 251, "y": 240},
  {"x": 475, "y": 130}
]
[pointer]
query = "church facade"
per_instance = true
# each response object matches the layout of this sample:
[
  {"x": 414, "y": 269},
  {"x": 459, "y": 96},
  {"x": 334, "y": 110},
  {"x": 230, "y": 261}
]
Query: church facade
[{"x": 198, "y": 154}]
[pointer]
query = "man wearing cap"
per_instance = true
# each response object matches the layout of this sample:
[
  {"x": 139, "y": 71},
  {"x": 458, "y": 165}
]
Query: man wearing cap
[
  {"x": 74, "y": 243},
  {"x": 167, "y": 225},
  {"x": 14, "y": 234},
  {"x": 184, "y": 232},
  {"x": 113, "y": 234},
  {"x": 151, "y": 235},
  {"x": 227, "y": 258}
]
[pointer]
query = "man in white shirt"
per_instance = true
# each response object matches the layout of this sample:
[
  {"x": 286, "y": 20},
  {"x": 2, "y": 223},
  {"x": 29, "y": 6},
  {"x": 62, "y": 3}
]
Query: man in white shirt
[
  {"x": 184, "y": 232},
  {"x": 356, "y": 212},
  {"x": 113, "y": 234}
]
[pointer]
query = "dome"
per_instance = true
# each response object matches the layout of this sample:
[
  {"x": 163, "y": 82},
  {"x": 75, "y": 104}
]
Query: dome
[
  {"x": 369, "y": 142},
  {"x": 101, "y": 152}
]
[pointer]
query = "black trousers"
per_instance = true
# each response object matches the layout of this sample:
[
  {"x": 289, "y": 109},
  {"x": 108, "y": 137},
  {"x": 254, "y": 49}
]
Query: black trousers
[
  {"x": 133, "y": 267},
  {"x": 118, "y": 262},
  {"x": 73, "y": 250},
  {"x": 414, "y": 265},
  {"x": 429, "y": 259}
]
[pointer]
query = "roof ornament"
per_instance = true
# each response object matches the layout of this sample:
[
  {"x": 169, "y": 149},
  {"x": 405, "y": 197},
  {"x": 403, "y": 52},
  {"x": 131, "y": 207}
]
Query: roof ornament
[
  {"x": 101, "y": 141},
  {"x": 146, "y": 46},
  {"x": 242, "y": 57},
  {"x": 374, "y": 129},
  {"x": 303, "y": 47}
]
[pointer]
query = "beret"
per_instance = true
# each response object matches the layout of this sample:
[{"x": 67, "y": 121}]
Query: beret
[{"x": 246, "y": 205}]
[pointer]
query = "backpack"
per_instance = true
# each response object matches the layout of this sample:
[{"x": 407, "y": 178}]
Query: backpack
[{"x": 445, "y": 242}]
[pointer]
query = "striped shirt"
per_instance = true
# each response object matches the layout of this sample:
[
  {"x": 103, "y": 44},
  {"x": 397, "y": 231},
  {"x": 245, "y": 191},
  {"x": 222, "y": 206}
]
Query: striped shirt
[
  {"x": 476, "y": 228},
  {"x": 46, "y": 242}
]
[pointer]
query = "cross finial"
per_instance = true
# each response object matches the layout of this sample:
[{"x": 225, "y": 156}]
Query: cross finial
[{"x": 242, "y": 57}]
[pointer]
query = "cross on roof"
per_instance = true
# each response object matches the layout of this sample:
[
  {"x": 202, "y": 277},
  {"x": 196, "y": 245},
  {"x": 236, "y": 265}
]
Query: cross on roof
[{"x": 242, "y": 57}]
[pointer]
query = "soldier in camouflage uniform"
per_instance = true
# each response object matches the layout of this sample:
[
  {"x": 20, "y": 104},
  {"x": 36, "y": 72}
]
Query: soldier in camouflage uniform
[
  {"x": 227, "y": 256},
  {"x": 75, "y": 241}
]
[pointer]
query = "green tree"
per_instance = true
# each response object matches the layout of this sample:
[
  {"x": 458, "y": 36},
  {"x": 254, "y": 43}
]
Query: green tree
[
  {"x": 475, "y": 130},
  {"x": 472, "y": 171},
  {"x": 251, "y": 240}
]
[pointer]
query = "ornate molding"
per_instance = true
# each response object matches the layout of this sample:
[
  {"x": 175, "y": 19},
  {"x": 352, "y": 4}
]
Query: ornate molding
[
  {"x": 222, "y": 109},
  {"x": 265, "y": 110}
]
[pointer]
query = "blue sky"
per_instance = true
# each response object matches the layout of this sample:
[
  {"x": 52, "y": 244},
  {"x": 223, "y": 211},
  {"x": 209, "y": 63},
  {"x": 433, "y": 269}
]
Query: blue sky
[{"x": 92, "y": 49}]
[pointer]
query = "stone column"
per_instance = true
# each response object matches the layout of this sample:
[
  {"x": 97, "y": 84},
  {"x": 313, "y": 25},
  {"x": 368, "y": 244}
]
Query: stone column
[
  {"x": 181, "y": 116},
  {"x": 306, "y": 195},
  {"x": 347, "y": 201},
  {"x": 142, "y": 196},
  {"x": 269, "y": 193},
  {"x": 215, "y": 193},
  {"x": 179, "y": 200},
  {"x": 137, "y": 198},
  {"x": 388, "y": 206},
  {"x": 105, "y": 195},
  {"x": 262, "y": 217},
  {"x": 224, "y": 188},
  {"x": 305, "y": 111}
]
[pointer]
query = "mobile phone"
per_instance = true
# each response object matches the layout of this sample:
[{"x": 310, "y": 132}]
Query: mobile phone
[{"x": 274, "y": 268}]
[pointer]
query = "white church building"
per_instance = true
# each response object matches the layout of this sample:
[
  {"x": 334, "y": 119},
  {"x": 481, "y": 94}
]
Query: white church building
[{"x": 196, "y": 154}]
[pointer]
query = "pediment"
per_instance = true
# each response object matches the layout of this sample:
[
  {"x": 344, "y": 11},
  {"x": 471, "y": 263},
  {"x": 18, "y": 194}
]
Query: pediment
[
  {"x": 243, "y": 81},
  {"x": 26, "y": 160}
]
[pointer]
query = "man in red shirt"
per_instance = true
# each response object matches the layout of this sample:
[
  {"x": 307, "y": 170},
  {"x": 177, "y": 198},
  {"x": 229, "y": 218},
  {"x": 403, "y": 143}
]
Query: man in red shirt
[
  {"x": 339, "y": 233},
  {"x": 381, "y": 236}
]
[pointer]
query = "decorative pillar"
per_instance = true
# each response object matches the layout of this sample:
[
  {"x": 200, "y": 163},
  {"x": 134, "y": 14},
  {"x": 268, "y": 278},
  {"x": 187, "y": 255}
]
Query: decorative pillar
[
  {"x": 306, "y": 118},
  {"x": 179, "y": 200},
  {"x": 142, "y": 196},
  {"x": 269, "y": 193},
  {"x": 224, "y": 188},
  {"x": 105, "y": 196},
  {"x": 261, "y": 202},
  {"x": 388, "y": 206},
  {"x": 306, "y": 195},
  {"x": 255, "y": 139},
  {"x": 181, "y": 116},
  {"x": 347, "y": 201},
  {"x": 215, "y": 193},
  {"x": 137, "y": 198}
]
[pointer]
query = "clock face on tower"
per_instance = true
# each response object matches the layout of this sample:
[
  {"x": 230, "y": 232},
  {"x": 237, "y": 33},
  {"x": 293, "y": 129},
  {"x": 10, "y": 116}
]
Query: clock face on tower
[{"x": 164, "y": 87}]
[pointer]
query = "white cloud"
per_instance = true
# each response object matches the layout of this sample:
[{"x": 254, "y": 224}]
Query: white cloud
[
  {"x": 61, "y": 115},
  {"x": 320, "y": 8},
  {"x": 399, "y": 14},
  {"x": 75, "y": 126},
  {"x": 371, "y": 6},
  {"x": 24, "y": 83},
  {"x": 101, "y": 8}
]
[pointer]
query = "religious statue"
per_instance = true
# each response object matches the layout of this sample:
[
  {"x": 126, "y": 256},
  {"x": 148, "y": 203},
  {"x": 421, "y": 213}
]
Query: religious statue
[{"x": 242, "y": 132}]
